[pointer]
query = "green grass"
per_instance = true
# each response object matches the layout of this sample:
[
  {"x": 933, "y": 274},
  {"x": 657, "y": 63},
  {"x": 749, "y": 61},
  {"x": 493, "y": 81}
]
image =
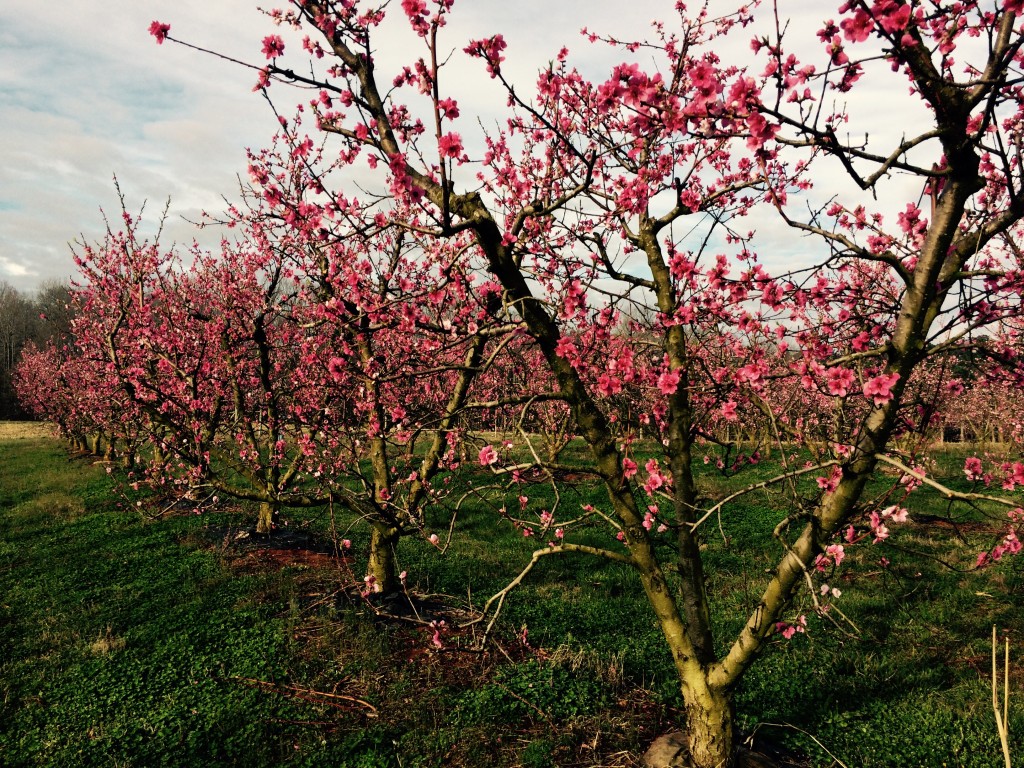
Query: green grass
[{"x": 135, "y": 643}]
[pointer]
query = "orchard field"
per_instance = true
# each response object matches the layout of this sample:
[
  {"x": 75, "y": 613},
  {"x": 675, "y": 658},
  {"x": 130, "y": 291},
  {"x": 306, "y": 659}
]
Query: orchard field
[
  {"x": 672, "y": 388},
  {"x": 132, "y": 639}
]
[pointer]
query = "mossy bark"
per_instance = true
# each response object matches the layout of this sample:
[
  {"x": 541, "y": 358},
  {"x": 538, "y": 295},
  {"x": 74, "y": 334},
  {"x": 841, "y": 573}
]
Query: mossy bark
[
  {"x": 382, "y": 566},
  {"x": 268, "y": 517}
]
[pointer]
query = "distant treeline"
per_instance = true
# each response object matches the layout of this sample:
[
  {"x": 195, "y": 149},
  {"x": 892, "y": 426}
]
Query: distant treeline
[{"x": 28, "y": 317}]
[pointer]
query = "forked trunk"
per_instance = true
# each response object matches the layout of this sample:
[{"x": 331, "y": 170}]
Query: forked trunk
[
  {"x": 382, "y": 569},
  {"x": 269, "y": 513}
]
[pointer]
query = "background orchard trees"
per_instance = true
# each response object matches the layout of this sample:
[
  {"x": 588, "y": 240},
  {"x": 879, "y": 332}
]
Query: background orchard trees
[
  {"x": 16, "y": 325},
  {"x": 597, "y": 196},
  {"x": 394, "y": 335},
  {"x": 297, "y": 366},
  {"x": 199, "y": 351},
  {"x": 24, "y": 319}
]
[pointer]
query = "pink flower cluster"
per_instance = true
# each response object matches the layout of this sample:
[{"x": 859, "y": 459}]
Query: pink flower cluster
[
  {"x": 788, "y": 630},
  {"x": 879, "y": 389},
  {"x": 1010, "y": 545},
  {"x": 878, "y": 520},
  {"x": 489, "y": 49},
  {"x": 159, "y": 31},
  {"x": 488, "y": 456}
]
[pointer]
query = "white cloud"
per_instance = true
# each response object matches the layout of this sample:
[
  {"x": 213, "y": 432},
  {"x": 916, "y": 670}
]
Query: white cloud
[{"x": 87, "y": 94}]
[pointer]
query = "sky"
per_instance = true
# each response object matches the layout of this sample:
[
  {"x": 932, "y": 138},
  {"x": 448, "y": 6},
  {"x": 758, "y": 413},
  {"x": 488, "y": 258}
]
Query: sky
[{"x": 87, "y": 95}]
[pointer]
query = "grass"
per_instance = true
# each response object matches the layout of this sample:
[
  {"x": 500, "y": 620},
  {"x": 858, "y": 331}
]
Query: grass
[{"x": 129, "y": 642}]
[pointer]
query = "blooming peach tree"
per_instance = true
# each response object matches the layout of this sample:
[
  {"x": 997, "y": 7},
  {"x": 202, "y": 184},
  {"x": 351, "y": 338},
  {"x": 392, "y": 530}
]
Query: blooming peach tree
[{"x": 609, "y": 217}]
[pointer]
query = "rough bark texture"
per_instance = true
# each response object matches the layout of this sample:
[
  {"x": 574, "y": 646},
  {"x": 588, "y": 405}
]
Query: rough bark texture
[
  {"x": 382, "y": 565},
  {"x": 267, "y": 519}
]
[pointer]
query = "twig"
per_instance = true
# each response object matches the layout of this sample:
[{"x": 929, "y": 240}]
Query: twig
[
  {"x": 947, "y": 493},
  {"x": 757, "y": 486},
  {"x": 500, "y": 596},
  {"x": 1002, "y": 719},
  {"x": 750, "y": 739},
  {"x": 306, "y": 694}
]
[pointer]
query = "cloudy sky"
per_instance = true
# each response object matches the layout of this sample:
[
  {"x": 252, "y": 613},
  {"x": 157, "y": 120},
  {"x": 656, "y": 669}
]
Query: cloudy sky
[{"x": 86, "y": 94}]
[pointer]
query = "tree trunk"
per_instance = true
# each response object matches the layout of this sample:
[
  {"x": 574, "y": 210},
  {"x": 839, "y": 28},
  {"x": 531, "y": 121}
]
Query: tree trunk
[
  {"x": 267, "y": 521},
  {"x": 382, "y": 568},
  {"x": 710, "y": 735}
]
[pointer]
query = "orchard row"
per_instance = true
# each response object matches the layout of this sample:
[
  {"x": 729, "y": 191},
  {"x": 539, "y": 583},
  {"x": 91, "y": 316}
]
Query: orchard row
[{"x": 411, "y": 303}]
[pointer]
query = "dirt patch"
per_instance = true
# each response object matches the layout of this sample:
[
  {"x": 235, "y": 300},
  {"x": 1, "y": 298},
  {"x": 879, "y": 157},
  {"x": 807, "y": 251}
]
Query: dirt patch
[
  {"x": 24, "y": 430},
  {"x": 274, "y": 559},
  {"x": 250, "y": 551}
]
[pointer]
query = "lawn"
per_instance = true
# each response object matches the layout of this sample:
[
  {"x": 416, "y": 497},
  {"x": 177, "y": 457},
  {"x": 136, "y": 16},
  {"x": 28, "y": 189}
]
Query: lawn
[{"x": 183, "y": 641}]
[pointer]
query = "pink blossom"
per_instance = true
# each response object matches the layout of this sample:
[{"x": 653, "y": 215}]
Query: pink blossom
[
  {"x": 273, "y": 46},
  {"x": 1013, "y": 475},
  {"x": 654, "y": 482},
  {"x": 729, "y": 411},
  {"x": 608, "y": 385},
  {"x": 434, "y": 539},
  {"x": 490, "y": 50},
  {"x": 830, "y": 483},
  {"x": 450, "y": 145},
  {"x": 909, "y": 219},
  {"x": 892, "y": 16},
  {"x": 372, "y": 585},
  {"x": 744, "y": 91},
  {"x": 159, "y": 31},
  {"x": 761, "y": 131},
  {"x": 488, "y": 456},
  {"x": 629, "y": 467},
  {"x": 858, "y": 28},
  {"x": 565, "y": 348},
  {"x": 1012, "y": 543},
  {"x": 788, "y": 630},
  {"x": 839, "y": 380},
  {"x": 879, "y": 389},
  {"x": 416, "y": 11},
  {"x": 448, "y": 108},
  {"x": 973, "y": 468},
  {"x": 668, "y": 381},
  {"x": 438, "y": 627},
  {"x": 894, "y": 513},
  {"x": 837, "y": 552}
]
